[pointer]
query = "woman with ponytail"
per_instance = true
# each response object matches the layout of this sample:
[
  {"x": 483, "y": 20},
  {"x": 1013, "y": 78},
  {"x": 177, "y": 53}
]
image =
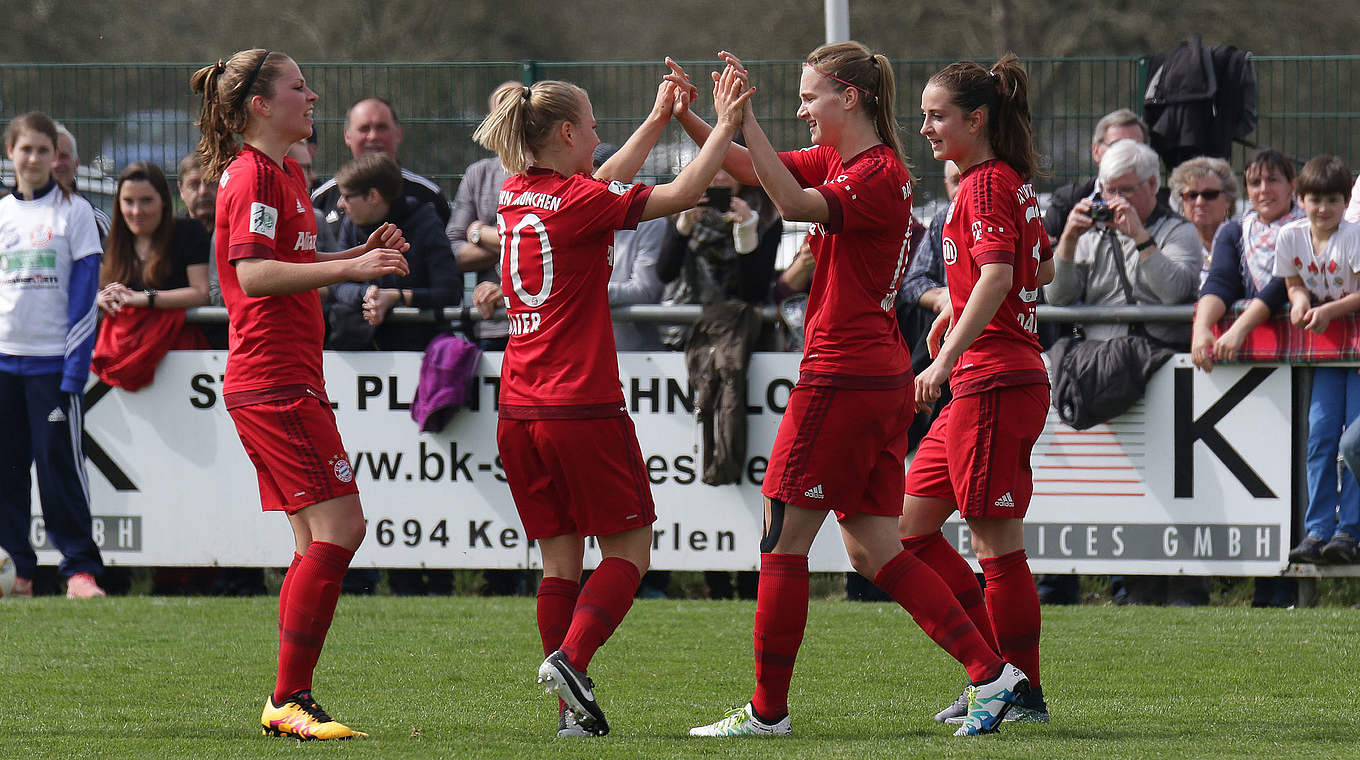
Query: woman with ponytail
[
  {"x": 976, "y": 457},
  {"x": 269, "y": 270},
  {"x": 843, "y": 438},
  {"x": 569, "y": 448}
]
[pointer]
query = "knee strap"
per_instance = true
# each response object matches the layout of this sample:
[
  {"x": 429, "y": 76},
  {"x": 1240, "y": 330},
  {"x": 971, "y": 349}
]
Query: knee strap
[{"x": 770, "y": 537}]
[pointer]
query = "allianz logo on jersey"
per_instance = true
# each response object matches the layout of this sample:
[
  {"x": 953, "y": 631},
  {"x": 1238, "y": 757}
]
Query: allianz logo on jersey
[{"x": 306, "y": 241}]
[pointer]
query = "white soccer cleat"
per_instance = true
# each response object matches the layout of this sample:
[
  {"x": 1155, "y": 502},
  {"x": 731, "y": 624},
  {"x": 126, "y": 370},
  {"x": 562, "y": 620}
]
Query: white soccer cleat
[
  {"x": 988, "y": 703},
  {"x": 743, "y": 722}
]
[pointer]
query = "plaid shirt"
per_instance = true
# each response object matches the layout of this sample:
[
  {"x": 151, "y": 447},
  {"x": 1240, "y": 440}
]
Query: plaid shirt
[
  {"x": 927, "y": 263},
  {"x": 1279, "y": 341}
]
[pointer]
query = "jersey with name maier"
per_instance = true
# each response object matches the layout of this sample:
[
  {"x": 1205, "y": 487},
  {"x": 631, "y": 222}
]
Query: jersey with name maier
[
  {"x": 995, "y": 219},
  {"x": 861, "y": 253},
  {"x": 274, "y": 342},
  {"x": 556, "y": 246}
]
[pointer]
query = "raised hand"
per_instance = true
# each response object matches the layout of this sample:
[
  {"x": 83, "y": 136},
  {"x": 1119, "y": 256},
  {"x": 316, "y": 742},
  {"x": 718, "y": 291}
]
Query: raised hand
[
  {"x": 685, "y": 91},
  {"x": 665, "y": 100},
  {"x": 731, "y": 60},
  {"x": 730, "y": 95},
  {"x": 387, "y": 236}
]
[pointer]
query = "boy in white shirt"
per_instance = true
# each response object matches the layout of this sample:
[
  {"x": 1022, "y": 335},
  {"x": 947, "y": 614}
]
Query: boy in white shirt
[{"x": 1319, "y": 257}]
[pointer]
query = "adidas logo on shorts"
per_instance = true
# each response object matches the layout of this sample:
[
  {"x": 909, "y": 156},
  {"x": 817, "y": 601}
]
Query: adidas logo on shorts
[
  {"x": 56, "y": 415},
  {"x": 1005, "y": 501},
  {"x": 814, "y": 492}
]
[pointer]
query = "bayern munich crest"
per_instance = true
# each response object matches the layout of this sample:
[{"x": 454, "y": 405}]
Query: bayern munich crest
[{"x": 343, "y": 472}]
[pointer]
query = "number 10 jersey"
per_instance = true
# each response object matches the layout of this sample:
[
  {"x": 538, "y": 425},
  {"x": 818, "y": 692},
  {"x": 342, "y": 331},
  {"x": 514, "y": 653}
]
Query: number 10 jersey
[{"x": 557, "y": 236}]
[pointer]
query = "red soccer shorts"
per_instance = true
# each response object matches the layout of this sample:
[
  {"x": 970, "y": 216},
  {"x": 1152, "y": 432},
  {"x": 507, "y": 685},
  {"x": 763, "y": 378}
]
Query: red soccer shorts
[
  {"x": 297, "y": 452},
  {"x": 841, "y": 449},
  {"x": 977, "y": 452},
  {"x": 581, "y": 476}
]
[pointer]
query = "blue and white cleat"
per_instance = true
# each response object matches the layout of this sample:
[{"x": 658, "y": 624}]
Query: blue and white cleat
[{"x": 989, "y": 702}]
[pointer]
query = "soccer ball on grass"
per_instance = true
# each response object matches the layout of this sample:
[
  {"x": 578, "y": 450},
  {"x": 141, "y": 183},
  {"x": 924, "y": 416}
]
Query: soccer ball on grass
[{"x": 7, "y": 574}]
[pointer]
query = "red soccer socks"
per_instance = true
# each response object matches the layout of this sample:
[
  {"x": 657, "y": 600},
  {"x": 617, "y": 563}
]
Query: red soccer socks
[
  {"x": 947, "y": 563},
  {"x": 308, "y": 607},
  {"x": 603, "y": 601},
  {"x": 932, "y": 605},
  {"x": 1014, "y": 606},
  {"x": 781, "y": 617}
]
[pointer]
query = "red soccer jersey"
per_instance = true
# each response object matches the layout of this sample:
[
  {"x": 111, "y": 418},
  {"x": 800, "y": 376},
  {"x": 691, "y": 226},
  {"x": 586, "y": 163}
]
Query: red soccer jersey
[
  {"x": 274, "y": 342},
  {"x": 556, "y": 247},
  {"x": 852, "y": 340},
  {"x": 995, "y": 219}
]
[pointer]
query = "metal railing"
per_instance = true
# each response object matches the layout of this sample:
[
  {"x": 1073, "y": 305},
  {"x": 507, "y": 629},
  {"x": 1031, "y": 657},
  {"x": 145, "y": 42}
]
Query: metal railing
[
  {"x": 689, "y": 313},
  {"x": 127, "y": 112}
]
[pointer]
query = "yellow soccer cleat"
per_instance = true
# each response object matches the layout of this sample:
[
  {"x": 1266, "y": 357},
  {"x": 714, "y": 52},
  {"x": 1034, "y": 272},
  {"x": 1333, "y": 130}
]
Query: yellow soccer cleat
[{"x": 301, "y": 718}]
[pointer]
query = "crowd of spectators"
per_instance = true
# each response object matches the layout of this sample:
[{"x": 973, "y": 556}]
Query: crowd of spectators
[{"x": 1174, "y": 244}]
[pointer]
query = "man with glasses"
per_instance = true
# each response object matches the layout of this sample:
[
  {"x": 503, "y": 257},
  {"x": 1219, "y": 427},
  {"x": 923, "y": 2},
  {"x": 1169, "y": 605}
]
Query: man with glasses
[
  {"x": 1112, "y": 127},
  {"x": 1160, "y": 250}
]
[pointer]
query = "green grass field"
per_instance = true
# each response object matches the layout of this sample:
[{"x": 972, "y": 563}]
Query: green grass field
[{"x": 453, "y": 677}]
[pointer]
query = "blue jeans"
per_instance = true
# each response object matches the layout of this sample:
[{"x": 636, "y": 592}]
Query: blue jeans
[
  {"x": 1334, "y": 406},
  {"x": 1350, "y": 449}
]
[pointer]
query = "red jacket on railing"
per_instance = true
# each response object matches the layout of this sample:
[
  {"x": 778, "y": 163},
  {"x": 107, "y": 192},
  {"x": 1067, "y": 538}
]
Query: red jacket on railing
[{"x": 132, "y": 342}]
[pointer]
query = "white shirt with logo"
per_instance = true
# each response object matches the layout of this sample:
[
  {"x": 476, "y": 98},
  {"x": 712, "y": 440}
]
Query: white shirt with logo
[
  {"x": 39, "y": 240},
  {"x": 1328, "y": 275}
]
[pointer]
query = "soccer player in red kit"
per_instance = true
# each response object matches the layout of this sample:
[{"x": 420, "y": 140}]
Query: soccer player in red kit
[
  {"x": 976, "y": 457},
  {"x": 570, "y": 451},
  {"x": 843, "y": 438},
  {"x": 274, "y": 391}
]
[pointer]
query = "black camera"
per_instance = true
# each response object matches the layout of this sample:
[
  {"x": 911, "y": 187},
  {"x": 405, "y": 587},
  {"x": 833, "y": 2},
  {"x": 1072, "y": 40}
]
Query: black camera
[
  {"x": 1100, "y": 212},
  {"x": 717, "y": 197}
]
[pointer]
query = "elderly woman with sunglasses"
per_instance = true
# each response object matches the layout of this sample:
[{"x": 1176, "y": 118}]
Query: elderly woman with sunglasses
[{"x": 1206, "y": 190}]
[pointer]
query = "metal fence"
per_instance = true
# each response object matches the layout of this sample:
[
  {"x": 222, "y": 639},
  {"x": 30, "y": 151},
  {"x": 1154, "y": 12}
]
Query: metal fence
[{"x": 128, "y": 112}]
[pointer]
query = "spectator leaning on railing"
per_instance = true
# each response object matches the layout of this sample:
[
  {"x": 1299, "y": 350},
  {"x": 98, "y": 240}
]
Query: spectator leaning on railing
[
  {"x": 1161, "y": 251},
  {"x": 1319, "y": 260},
  {"x": 155, "y": 267},
  {"x": 1244, "y": 262},
  {"x": 370, "y": 196}
]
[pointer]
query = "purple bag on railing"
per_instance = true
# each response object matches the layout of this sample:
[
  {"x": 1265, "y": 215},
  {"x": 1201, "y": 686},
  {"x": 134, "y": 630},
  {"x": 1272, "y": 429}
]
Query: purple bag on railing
[{"x": 445, "y": 379}]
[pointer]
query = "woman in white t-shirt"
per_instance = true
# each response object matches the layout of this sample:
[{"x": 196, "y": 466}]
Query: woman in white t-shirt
[{"x": 49, "y": 272}]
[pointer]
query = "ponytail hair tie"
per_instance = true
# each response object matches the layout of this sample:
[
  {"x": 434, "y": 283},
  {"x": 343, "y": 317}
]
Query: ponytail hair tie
[{"x": 526, "y": 93}]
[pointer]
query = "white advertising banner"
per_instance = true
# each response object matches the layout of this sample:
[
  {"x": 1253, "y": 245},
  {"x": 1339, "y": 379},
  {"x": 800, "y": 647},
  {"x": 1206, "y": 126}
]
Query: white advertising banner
[{"x": 1195, "y": 479}]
